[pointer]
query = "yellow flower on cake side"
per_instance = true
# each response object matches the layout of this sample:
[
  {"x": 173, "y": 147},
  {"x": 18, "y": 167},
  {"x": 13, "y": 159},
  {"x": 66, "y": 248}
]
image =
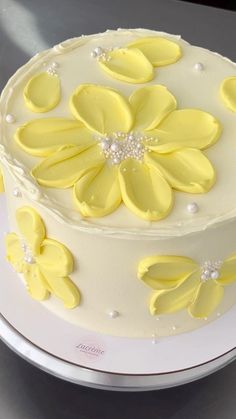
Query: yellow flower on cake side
[
  {"x": 180, "y": 283},
  {"x": 115, "y": 150},
  {"x": 44, "y": 263}
]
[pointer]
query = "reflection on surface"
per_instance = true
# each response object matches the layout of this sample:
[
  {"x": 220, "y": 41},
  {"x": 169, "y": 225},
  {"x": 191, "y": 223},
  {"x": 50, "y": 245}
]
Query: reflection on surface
[{"x": 14, "y": 15}]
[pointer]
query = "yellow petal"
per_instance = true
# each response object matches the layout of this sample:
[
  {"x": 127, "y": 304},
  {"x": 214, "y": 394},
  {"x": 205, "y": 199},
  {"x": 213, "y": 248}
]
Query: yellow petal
[
  {"x": 150, "y": 105},
  {"x": 159, "y": 51},
  {"x": 97, "y": 193},
  {"x": 42, "y": 93},
  {"x": 208, "y": 296},
  {"x": 14, "y": 251},
  {"x": 31, "y": 227},
  {"x": 101, "y": 109},
  {"x": 174, "y": 299},
  {"x": 42, "y": 137},
  {"x": 55, "y": 258},
  {"x": 144, "y": 191},
  {"x": 228, "y": 271},
  {"x": 186, "y": 170},
  {"x": 64, "y": 289},
  {"x": 128, "y": 65},
  {"x": 186, "y": 128},
  {"x": 163, "y": 272},
  {"x": 1, "y": 182},
  {"x": 228, "y": 92},
  {"x": 35, "y": 282},
  {"x": 64, "y": 168}
]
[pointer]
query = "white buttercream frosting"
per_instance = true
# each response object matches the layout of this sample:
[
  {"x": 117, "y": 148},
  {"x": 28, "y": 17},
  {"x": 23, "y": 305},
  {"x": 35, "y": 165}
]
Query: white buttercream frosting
[{"x": 192, "y": 89}]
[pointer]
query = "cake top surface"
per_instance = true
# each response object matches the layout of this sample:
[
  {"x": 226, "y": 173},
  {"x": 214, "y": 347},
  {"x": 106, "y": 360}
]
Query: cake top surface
[{"x": 105, "y": 87}]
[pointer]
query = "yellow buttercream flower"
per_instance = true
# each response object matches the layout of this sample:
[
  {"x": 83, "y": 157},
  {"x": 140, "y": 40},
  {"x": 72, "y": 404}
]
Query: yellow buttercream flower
[
  {"x": 135, "y": 62},
  {"x": 44, "y": 263},
  {"x": 180, "y": 283},
  {"x": 228, "y": 92},
  {"x": 117, "y": 150}
]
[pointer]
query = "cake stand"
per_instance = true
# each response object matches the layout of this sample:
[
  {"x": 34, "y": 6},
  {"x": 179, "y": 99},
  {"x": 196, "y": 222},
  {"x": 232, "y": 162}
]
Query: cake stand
[{"x": 100, "y": 361}]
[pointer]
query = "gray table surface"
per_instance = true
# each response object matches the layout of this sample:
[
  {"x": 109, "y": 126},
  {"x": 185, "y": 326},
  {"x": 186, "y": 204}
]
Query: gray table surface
[{"x": 26, "y": 27}]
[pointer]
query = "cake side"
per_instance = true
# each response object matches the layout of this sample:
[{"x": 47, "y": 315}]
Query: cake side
[{"x": 113, "y": 299}]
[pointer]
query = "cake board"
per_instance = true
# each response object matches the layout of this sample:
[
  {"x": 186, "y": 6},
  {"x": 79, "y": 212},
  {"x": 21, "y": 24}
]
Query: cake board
[{"x": 106, "y": 362}]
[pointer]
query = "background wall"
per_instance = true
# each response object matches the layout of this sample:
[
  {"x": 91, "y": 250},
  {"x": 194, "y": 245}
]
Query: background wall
[{"x": 223, "y": 4}]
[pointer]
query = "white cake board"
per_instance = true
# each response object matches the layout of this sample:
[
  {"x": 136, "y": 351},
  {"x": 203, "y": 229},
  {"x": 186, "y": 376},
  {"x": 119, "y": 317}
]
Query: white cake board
[{"x": 101, "y": 361}]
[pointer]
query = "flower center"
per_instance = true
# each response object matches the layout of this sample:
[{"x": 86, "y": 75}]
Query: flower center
[
  {"x": 120, "y": 146},
  {"x": 28, "y": 255},
  {"x": 210, "y": 270}
]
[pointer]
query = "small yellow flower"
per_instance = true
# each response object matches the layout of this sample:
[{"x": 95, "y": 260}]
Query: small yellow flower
[
  {"x": 135, "y": 62},
  {"x": 44, "y": 263},
  {"x": 115, "y": 150},
  {"x": 180, "y": 283}
]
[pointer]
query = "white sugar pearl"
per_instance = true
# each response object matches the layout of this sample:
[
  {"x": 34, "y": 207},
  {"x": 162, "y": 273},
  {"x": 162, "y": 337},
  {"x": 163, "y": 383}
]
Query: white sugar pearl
[
  {"x": 114, "y": 314},
  {"x": 55, "y": 64},
  {"x": 115, "y": 147},
  {"x": 119, "y": 134},
  {"x": 203, "y": 277},
  {"x": 207, "y": 272},
  {"x": 131, "y": 137},
  {"x": 116, "y": 160},
  {"x": 199, "y": 67},
  {"x": 17, "y": 193},
  {"x": 215, "y": 275},
  {"x": 98, "y": 50},
  {"x": 93, "y": 54},
  {"x": 10, "y": 118},
  {"x": 104, "y": 144},
  {"x": 29, "y": 259},
  {"x": 193, "y": 208}
]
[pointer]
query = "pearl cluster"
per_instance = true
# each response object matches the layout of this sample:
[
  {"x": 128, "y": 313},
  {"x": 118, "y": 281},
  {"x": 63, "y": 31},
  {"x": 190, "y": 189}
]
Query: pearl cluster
[
  {"x": 102, "y": 54},
  {"x": 210, "y": 270},
  {"x": 52, "y": 69},
  {"x": 120, "y": 146},
  {"x": 28, "y": 255}
]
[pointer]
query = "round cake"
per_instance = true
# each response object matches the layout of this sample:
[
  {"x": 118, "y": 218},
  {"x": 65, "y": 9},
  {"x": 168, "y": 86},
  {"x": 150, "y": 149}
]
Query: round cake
[{"x": 118, "y": 155}]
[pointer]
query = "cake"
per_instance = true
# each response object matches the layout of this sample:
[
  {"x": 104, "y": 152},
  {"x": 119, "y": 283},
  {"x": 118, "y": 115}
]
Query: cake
[{"x": 118, "y": 155}]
